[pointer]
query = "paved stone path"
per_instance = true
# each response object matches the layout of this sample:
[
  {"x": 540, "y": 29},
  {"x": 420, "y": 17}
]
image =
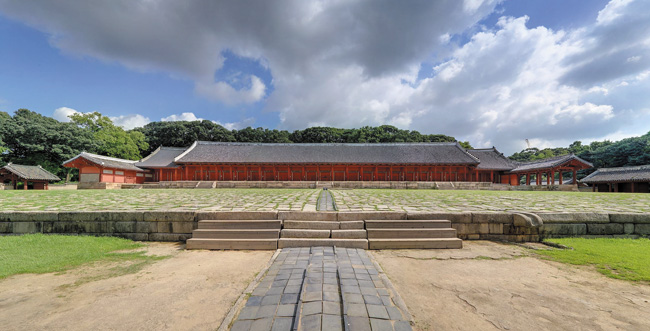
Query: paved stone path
[
  {"x": 321, "y": 288},
  {"x": 326, "y": 201}
]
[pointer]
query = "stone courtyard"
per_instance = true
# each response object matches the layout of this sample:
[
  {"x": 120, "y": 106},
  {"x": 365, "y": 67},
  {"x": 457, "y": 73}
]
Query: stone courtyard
[{"x": 307, "y": 199}]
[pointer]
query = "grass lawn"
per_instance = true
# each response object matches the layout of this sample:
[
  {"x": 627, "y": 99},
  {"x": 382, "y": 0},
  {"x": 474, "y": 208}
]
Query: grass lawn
[
  {"x": 38, "y": 253},
  {"x": 627, "y": 259}
]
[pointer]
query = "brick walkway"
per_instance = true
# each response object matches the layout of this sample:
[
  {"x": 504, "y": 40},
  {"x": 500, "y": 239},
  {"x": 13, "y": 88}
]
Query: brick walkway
[{"x": 322, "y": 288}]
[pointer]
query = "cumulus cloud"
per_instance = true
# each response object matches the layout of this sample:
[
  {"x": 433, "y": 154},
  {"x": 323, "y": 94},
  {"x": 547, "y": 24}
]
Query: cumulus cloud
[
  {"x": 130, "y": 121},
  {"x": 221, "y": 91},
  {"x": 350, "y": 64},
  {"x": 181, "y": 117},
  {"x": 62, "y": 114}
]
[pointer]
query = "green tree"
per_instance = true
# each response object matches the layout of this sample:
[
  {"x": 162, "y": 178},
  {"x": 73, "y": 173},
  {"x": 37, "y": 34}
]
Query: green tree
[
  {"x": 182, "y": 133},
  {"x": 113, "y": 140},
  {"x": 33, "y": 139}
]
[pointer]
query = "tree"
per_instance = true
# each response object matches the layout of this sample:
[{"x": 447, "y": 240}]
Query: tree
[
  {"x": 182, "y": 133},
  {"x": 113, "y": 140},
  {"x": 33, "y": 139}
]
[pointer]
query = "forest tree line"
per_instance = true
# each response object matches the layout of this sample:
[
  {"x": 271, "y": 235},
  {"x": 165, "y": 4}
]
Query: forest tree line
[{"x": 30, "y": 138}]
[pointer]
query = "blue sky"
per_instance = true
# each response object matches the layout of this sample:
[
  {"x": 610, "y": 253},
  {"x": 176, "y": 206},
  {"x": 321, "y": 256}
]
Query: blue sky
[{"x": 491, "y": 72}]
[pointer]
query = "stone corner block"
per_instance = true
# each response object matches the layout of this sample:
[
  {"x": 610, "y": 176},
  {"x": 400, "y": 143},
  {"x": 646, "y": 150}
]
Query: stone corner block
[
  {"x": 308, "y": 216},
  {"x": 169, "y": 216},
  {"x": 460, "y": 217}
]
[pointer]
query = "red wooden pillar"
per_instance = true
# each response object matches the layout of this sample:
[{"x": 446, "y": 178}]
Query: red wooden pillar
[
  {"x": 528, "y": 179},
  {"x": 560, "y": 176},
  {"x": 375, "y": 174},
  {"x": 593, "y": 188},
  {"x": 631, "y": 188},
  {"x": 575, "y": 180},
  {"x": 491, "y": 176}
]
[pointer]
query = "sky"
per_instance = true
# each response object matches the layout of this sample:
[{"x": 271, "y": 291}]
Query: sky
[{"x": 495, "y": 73}]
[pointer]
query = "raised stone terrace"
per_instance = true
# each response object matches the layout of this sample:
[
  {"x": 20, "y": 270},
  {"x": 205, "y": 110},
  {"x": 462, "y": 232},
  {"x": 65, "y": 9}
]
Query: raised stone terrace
[{"x": 307, "y": 199}]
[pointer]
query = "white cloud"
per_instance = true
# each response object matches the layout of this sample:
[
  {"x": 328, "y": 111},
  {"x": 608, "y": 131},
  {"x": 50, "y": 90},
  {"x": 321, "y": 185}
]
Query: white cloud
[
  {"x": 350, "y": 64},
  {"x": 62, "y": 114},
  {"x": 237, "y": 125},
  {"x": 181, "y": 117},
  {"x": 131, "y": 121},
  {"x": 221, "y": 91}
]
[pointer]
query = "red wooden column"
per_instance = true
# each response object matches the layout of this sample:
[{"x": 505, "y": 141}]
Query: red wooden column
[
  {"x": 25, "y": 184},
  {"x": 560, "y": 176},
  {"x": 492, "y": 176},
  {"x": 375, "y": 175},
  {"x": 575, "y": 180},
  {"x": 528, "y": 179}
]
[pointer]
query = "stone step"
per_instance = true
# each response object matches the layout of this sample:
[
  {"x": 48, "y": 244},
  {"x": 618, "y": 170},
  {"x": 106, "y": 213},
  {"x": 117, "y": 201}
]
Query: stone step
[
  {"x": 311, "y": 242},
  {"x": 311, "y": 225},
  {"x": 415, "y": 243},
  {"x": 203, "y": 243},
  {"x": 304, "y": 233},
  {"x": 349, "y": 234},
  {"x": 236, "y": 233},
  {"x": 411, "y": 233},
  {"x": 395, "y": 224},
  {"x": 240, "y": 224}
]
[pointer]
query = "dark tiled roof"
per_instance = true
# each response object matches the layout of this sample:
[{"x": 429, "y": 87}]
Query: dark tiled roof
[
  {"x": 491, "y": 159},
  {"x": 107, "y": 162},
  {"x": 163, "y": 157},
  {"x": 30, "y": 172},
  {"x": 618, "y": 175},
  {"x": 548, "y": 163},
  {"x": 396, "y": 153}
]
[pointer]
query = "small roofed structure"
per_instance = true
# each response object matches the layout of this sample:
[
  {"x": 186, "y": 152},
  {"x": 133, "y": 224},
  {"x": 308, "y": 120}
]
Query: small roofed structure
[
  {"x": 36, "y": 175},
  {"x": 634, "y": 179},
  {"x": 493, "y": 164},
  {"x": 548, "y": 167},
  {"x": 95, "y": 168},
  {"x": 161, "y": 161}
]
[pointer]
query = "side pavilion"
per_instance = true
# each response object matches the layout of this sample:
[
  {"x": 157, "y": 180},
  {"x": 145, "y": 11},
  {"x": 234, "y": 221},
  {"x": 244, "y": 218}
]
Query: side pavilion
[{"x": 39, "y": 177}]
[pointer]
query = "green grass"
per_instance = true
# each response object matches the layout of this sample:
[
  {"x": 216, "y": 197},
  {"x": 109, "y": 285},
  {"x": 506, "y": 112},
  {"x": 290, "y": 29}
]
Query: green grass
[
  {"x": 38, "y": 253},
  {"x": 627, "y": 259}
]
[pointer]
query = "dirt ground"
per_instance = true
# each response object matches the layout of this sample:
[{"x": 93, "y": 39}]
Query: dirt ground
[
  {"x": 191, "y": 290},
  {"x": 491, "y": 286}
]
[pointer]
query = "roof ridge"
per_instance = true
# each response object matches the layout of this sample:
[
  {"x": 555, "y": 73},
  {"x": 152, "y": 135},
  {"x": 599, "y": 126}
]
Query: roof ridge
[
  {"x": 203, "y": 142},
  {"x": 109, "y": 158}
]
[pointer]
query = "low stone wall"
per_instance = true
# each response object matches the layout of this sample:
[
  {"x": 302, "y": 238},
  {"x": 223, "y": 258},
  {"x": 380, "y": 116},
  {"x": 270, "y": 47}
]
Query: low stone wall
[
  {"x": 594, "y": 224},
  {"x": 178, "y": 225},
  {"x": 99, "y": 186}
]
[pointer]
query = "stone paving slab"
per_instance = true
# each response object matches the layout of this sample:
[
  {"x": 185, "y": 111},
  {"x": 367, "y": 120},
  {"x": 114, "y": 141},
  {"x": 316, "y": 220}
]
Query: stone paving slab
[
  {"x": 366, "y": 200},
  {"x": 321, "y": 288},
  {"x": 161, "y": 199}
]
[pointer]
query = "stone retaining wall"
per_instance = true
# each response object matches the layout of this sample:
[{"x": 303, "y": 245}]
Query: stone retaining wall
[{"x": 178, "y": 225}]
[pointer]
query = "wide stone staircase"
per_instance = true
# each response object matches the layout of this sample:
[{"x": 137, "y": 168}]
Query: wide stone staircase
[
  {"x": 235, "y": 234},
  {"x": 383, "y": 234},
  {"x": 365, "y": 234}
]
